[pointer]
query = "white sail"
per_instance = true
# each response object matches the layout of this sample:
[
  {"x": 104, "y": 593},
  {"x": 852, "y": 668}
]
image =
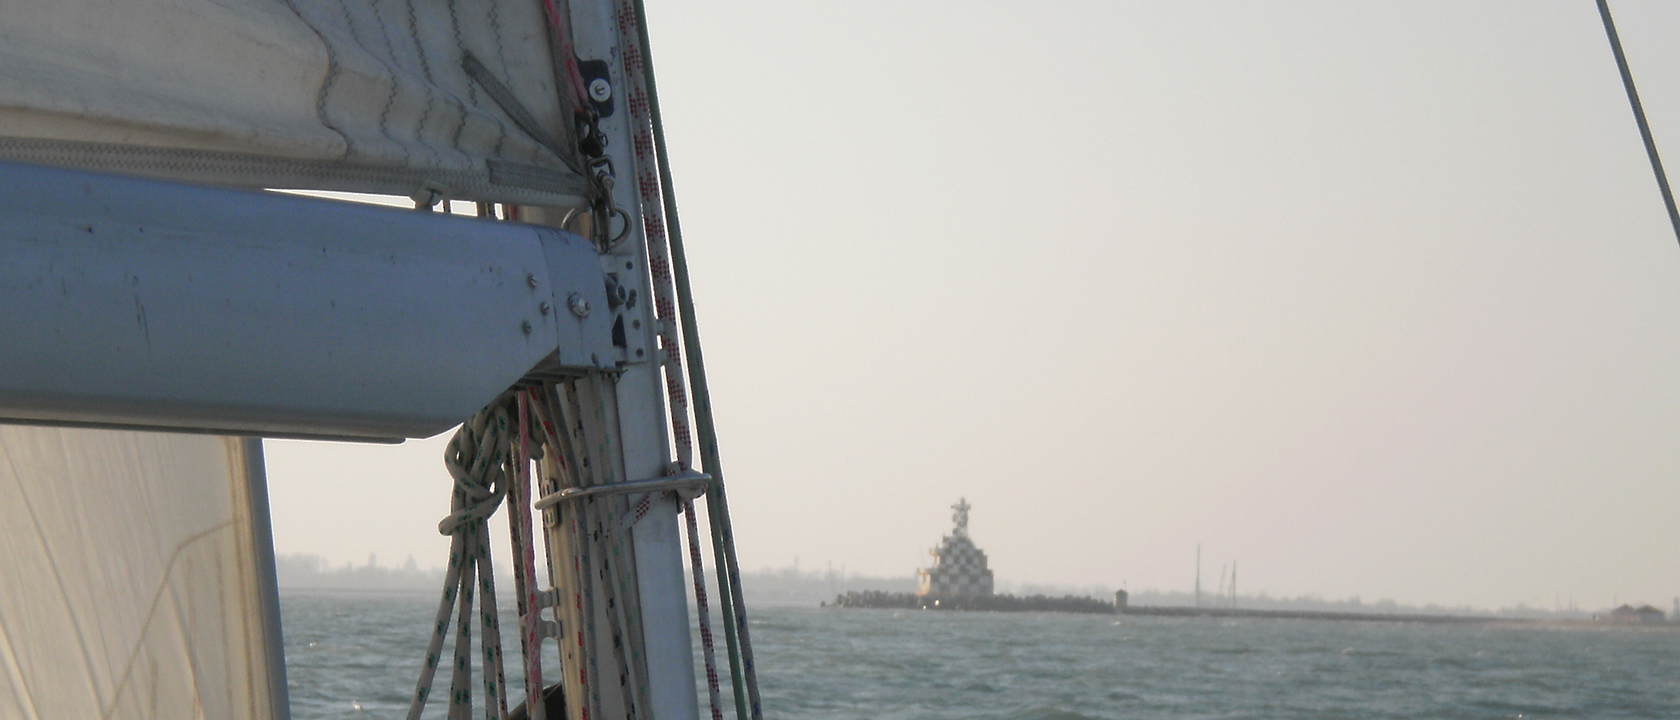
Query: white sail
[
  {"x": 129, "y": 581},
  {"x": 457, "y": 98}
]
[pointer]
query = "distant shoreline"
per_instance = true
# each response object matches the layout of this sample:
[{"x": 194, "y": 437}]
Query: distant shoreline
[
  {"x": 789, "y": 587},
  {"x": 357, "y": 590}
]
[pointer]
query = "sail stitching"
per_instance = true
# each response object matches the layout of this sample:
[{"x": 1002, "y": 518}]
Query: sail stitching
[
  {"x": 333, "y": 69},
  {"x": 391, "y": 98},
  {"x": 355, "y": 35},
  {"x": 425, "y": 72},
  {"x": 472, "y": 92},
  {"x": 495, "y": 15}
]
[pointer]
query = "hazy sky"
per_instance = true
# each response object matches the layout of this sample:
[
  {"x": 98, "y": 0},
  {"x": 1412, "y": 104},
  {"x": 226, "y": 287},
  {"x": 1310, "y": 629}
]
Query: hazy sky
[{"x": 1375, "y": 299}]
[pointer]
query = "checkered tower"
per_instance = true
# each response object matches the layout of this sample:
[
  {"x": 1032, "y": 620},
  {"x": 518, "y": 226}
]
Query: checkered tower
[{"x": 959, "y": 568}]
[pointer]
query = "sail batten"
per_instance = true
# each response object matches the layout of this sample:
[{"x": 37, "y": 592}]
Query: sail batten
[{"x": 360, "y": 96}]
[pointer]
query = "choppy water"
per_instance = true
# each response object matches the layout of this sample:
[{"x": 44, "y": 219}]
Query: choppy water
[{"x": 355, "y": 656}]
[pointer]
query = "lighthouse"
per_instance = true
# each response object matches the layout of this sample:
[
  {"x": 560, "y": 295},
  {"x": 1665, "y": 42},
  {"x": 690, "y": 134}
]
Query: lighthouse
[{"x": 959, "y": 567}]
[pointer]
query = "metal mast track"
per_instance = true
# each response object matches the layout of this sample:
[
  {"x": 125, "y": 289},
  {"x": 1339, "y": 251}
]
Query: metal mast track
[{"x": 733, "y": 605}]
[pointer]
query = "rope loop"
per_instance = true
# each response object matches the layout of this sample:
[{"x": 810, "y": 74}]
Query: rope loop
[{"x": 477, "y": 459}]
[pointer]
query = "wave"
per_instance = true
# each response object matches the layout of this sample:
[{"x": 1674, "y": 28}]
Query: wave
[{"x": 1053, "y": 713}]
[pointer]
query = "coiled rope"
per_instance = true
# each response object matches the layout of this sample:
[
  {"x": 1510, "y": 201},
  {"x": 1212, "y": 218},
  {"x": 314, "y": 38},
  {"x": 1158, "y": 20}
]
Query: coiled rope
[{"x": 477, "y": 458}]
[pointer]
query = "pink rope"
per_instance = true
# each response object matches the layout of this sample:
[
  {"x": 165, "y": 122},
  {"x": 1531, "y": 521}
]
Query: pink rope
[
  {"x": 659, "y": 268},
  {"x": 653, "y": 225},
  {"x": 712, "y": 681},
  {"x": 530, "y": 639},
  {"x": 574, "y": 77}
]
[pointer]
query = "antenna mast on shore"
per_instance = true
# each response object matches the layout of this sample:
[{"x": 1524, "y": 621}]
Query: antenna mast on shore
[{"x": 1198, "y": 574}]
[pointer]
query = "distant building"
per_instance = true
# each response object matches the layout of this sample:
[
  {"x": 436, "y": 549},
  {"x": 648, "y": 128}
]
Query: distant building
[
  {"x": 1630, "y": 615},
  {"x": 959, "y": 568}
]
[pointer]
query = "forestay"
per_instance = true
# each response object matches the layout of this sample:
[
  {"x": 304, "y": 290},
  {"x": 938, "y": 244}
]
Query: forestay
[
  {"x": 133, "y": 588},
  {"x": 456, "y": 98}
]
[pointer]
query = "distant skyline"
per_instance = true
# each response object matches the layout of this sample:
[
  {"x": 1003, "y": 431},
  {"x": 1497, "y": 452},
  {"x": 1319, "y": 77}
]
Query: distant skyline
[{"x": 1377, "y": 300}]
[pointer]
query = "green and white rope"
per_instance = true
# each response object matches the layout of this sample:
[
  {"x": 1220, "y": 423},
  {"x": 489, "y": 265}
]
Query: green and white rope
[{"x": 477, "y": 458}]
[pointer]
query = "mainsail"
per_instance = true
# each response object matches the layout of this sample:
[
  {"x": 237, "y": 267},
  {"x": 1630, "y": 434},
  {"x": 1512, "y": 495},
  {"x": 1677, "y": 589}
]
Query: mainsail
[
  {"x": 457, "y": 99},
  {"x": 132, "y": 563},
  {"x": 133, "y": 588}
]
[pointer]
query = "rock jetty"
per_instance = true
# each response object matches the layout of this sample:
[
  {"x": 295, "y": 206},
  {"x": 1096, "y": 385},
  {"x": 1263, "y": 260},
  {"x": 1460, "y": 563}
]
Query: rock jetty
[{"x": 992, "y": 603}]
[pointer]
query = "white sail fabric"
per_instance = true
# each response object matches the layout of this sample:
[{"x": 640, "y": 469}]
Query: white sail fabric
[
  {"x": 357, "y": 95},
  {"x": 127, "y": 577}
]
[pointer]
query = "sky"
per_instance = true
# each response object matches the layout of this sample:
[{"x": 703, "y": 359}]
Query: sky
[{"x": 1373, "y": 299}]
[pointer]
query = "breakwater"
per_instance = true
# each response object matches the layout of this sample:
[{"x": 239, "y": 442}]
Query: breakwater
[
  {"x": 1306, "y": 614},
  {"x": 1080, "y": 604},
  {"x": 992, "y": 603}
]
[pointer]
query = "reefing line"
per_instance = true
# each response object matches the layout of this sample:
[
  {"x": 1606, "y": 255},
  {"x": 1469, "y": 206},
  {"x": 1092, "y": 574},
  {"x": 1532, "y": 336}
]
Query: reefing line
[{"x": 1639, "y": 115}]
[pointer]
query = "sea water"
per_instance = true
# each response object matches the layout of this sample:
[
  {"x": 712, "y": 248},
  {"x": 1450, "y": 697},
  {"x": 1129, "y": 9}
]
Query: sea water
[{"x": 357, "y": 656}]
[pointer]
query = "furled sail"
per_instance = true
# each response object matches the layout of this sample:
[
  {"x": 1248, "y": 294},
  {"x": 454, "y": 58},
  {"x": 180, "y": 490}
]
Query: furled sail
[
  {"x": 130, "y": 582},
  {"x": 448, "y": 99}
]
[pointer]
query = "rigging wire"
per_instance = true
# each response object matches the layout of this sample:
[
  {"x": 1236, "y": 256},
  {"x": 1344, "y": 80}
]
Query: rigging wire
[{"x": 1639, "y": 115}]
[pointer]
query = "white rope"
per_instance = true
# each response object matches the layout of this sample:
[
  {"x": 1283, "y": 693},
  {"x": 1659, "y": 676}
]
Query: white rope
[
  {"x": 608, "y": 558},
  {"x": 477, "y": 459},
  {"x": 560, "y": 467}
]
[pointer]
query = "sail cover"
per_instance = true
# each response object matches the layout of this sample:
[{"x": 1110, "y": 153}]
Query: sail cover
[
  {"x": 455, "y": 98},
  {"x": 129, "y": 585}
]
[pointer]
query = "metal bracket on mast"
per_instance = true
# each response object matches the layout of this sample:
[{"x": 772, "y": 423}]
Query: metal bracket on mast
[
  {"x": 689, "y": 485},
  {"x": 629, "y": 338}
]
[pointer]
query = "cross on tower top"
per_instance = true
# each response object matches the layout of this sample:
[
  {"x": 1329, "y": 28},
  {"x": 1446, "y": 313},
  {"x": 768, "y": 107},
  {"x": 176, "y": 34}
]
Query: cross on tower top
[{"x": 961, "y": 517}]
